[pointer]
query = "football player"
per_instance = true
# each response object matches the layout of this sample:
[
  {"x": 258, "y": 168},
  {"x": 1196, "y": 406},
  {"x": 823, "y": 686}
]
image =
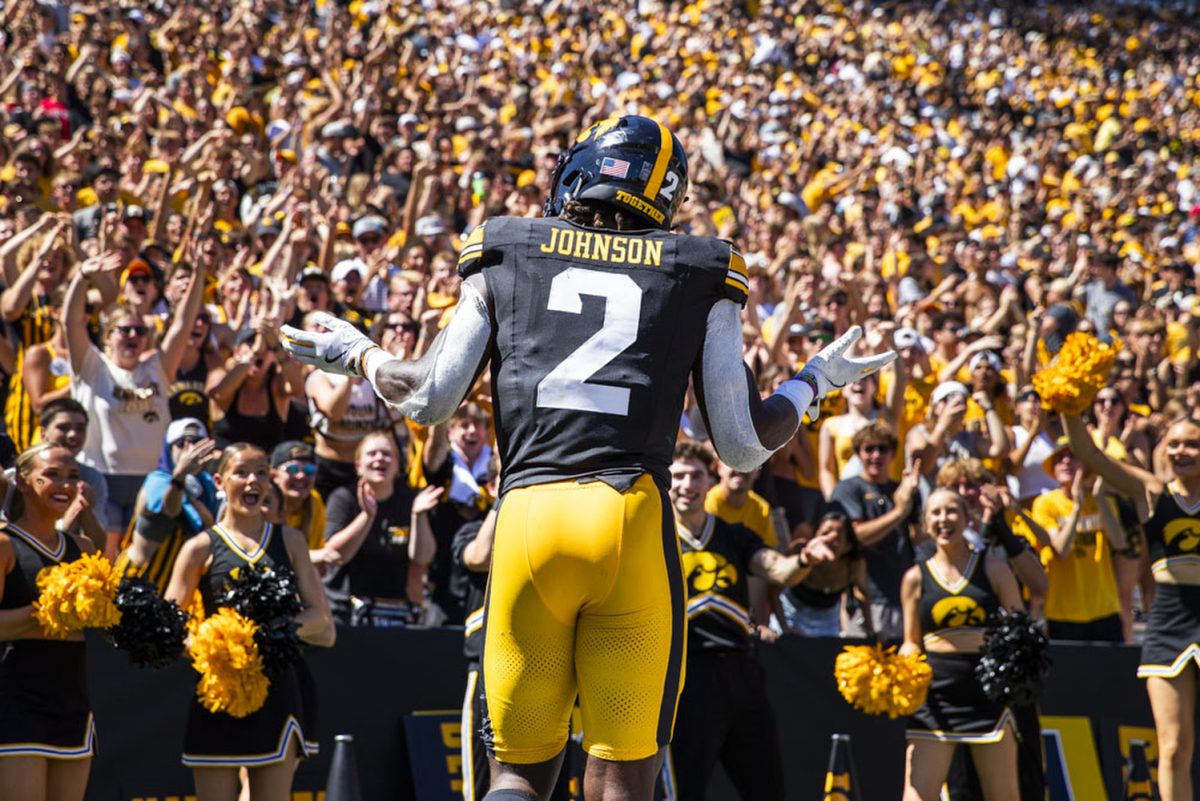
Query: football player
[{"x": 593, "y": 319}]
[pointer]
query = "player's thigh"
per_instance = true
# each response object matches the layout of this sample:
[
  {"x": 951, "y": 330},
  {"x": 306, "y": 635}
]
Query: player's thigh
[
  {"x": 548, "y": 557},
  {"x": 629, "y": 653}
]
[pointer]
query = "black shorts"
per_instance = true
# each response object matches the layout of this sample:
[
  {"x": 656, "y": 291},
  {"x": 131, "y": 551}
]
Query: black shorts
[
  {"x": 956, "y": 710},
  {"x": 44, "y": 707},
  {"x": 1172, "y": 632}
]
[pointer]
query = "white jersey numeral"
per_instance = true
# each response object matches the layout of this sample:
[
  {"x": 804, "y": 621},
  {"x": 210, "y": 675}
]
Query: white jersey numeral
[{"x": 566, "y": 387}]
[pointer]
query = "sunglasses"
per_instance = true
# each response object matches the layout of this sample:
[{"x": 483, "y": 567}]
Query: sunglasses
[
  {"x": 131, "y": 330},
  {"x": 869, "y": 449},
  {"x": 411, "y": 328},
  {"x": 837, "y": 300},
  {"x": 1030, "y": 396},
  {"x": 187, "y": 440},
  {"x": 1110, "y": 400},
  {"x": 295, "y": 469},
  {"x": 370, "y": 239},
  {"x": 139, "y": 278}
]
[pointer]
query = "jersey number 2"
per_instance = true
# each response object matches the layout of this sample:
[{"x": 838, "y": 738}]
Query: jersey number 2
[{"x": 566, "y": 387}]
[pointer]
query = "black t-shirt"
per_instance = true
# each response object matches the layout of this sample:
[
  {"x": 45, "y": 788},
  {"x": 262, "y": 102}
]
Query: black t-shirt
[
  {"x": 380, "y": 567},
  {"x": 890, "y": 557},
  {"x": 475, "y": 589},
  {"x": 596, "y": 336},
  {"x": 716, "y": 562},
  {"x": 446, "y": 589}
]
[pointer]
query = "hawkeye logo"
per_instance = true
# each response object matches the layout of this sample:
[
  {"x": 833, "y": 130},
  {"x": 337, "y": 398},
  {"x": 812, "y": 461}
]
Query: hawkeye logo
[
  {"x": 708, "y": 571},
  {"x": 958, "y": 610},
  {"x": 1183, "y": 534},
  {"x": 837, "y": 787}
]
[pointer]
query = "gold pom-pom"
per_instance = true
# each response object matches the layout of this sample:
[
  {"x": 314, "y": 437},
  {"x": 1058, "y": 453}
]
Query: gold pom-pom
[
  {"x": 1080, "y": 370},
  {"x": 223, "y": 651},
  {"x": 881, "y": 682},
  {"x": 76, "y": 595}
]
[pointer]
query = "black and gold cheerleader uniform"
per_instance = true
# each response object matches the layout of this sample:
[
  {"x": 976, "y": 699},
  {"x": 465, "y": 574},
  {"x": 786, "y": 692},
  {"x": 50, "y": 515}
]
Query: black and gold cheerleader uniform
[
  {"x": 956, "y": 709},
  {"x": 44, "y": 706},
  {"x": 1173, "y": 631},
  {"x": 215, "y": 739}
]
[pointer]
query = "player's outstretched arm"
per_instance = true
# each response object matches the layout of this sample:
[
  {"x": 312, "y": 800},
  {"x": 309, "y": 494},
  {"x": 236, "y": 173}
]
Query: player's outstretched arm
[
  {"x": 427, "y": 390},
  {"x": 745, "y": 428}
]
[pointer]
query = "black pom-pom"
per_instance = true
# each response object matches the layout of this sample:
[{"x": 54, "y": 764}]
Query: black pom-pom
[
  {"x": 152, "y": 629},
  {"x": 270, "y": 597},
  {"x": 1015, "y": 659}
]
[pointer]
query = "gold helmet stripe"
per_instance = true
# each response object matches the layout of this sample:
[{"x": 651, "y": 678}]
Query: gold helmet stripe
[{"x": 660, "y": 164}]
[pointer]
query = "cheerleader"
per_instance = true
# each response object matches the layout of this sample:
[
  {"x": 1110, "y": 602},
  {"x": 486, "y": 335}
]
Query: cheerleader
[
  {"x": 270, "y": 742},
  {"x": 1171, "y": 648},
  {"x": 946, "y": 600},
  {"x": 47, "y": 735}
]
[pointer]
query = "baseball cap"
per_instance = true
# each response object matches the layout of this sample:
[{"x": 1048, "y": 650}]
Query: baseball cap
[
  {"x": 907, "y": 337},
  {"x": 370, "y": 224},
  {"x": 183, "y": 427},
  {"x": 985, "y": 356},
  {"x": 430, "y": 225},
  {"x": 946, "y": 389},
  {"x": 292, "y": 451},
  {"x": 343, "y": 268},
  {"x": 312, "y": 271},
  {"x": 1061, "y": 446}
]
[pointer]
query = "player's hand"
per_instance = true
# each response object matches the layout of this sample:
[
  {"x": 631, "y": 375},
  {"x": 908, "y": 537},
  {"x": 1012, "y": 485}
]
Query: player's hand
[
  {"x": 832, "y": 369},
  {"x": 339, "y": 350}
]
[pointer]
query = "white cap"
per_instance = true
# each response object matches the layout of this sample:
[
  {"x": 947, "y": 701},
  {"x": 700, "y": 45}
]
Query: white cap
[
  {"x": 907, "y": 337},
  {"x": 985, "y": 356},
  {"x": 346, "y": 266},
  {"x": 185, "y": 426},
  {"x": 430, "y": 225},
  {"x": 946, "y": 389}
]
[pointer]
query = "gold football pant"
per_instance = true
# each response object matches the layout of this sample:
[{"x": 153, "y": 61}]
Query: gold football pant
[{"x": 585, "y": 596}]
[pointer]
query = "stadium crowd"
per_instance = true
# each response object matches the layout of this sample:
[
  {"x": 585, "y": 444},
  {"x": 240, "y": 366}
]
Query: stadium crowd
[{"x": 969, "y": 181}]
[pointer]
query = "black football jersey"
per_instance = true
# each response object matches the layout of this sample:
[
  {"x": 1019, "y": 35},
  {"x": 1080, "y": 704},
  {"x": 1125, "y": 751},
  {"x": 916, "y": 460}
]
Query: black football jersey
[
  {"x": 597, "y": 332},
  {"x": 716, "y": 563}
]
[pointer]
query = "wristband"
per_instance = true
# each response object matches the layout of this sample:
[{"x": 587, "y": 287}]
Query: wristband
[
  {"x": 801, "y": 391},
  {"x": 179, "y": 483},
  {"x": 372, "y": 360}
]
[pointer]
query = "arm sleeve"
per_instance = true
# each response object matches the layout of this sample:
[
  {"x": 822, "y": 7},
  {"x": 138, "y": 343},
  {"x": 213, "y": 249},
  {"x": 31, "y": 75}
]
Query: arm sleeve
[
  {"x": 457, "y": 355},
  {"x": 724, "y": 391}
]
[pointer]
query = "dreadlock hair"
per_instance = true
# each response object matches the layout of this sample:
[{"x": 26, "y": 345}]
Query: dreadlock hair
[{"x": 596, "y": 214}]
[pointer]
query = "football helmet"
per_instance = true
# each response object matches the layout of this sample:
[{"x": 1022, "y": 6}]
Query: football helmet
[{"x": 630, "y": 163}]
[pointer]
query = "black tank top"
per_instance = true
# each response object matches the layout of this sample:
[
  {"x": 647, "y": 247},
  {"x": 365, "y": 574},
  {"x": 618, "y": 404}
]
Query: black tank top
[
  {"x": 265, "y": 431},
  {"x": 227, "y": 556},
  {"x": 965, "y": 604},
  {"x": 20, "y": 586},
  {"x": 1172, "y": 532},
  {"x": 188, "y": 397}
]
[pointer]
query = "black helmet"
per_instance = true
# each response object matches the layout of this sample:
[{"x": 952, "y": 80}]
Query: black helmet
[{"x": 630, "y": 163}]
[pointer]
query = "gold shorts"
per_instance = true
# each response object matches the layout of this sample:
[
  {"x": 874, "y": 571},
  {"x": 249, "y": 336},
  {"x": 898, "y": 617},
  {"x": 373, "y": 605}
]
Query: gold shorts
[{"x": 586, "y": 597}]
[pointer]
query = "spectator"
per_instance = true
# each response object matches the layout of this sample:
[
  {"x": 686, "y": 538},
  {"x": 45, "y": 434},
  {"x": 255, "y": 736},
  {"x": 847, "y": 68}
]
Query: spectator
[
  {"x": 813, "y": 607},
  {"x": 835, "y": 456},
  {"x": 254, "y": 391},
  {"x": 177, "y": 501},
  {"x": 294, "y": 471},
  {"x": 885, "y": 515},
  {"x": 1033, "y": 443},
  {"x": 380, "y": 531},
  {"x": 125, "y": 387},
  {"x": 1105, "y": 289},
  {"x": 1082, "y": 533},
  {"x": 64, "y": 423}
]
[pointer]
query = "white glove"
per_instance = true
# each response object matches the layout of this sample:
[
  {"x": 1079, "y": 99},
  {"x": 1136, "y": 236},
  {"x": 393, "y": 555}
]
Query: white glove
[
  {"x": 341, "y": 350},
  {"x": 831, "y": 369}
]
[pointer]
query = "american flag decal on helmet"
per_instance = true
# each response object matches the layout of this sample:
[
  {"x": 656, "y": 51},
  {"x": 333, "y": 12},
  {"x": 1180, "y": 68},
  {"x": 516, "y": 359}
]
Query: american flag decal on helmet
[{"x": 617, "y": 168}]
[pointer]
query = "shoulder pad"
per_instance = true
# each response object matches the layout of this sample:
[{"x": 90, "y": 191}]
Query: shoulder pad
[
  {"x": 737, "y": 278},
  {"x": 470, "y": 258}
]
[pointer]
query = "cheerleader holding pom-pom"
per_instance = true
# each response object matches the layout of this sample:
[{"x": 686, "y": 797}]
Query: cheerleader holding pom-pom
[
  {"x": 248, "y": 712},
  {"x": 47, "y": 735},
  {"x": 947, "y": 600}
]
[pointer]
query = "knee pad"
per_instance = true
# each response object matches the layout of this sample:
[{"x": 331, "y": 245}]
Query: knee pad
[{"x": 510, "y": 795}]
